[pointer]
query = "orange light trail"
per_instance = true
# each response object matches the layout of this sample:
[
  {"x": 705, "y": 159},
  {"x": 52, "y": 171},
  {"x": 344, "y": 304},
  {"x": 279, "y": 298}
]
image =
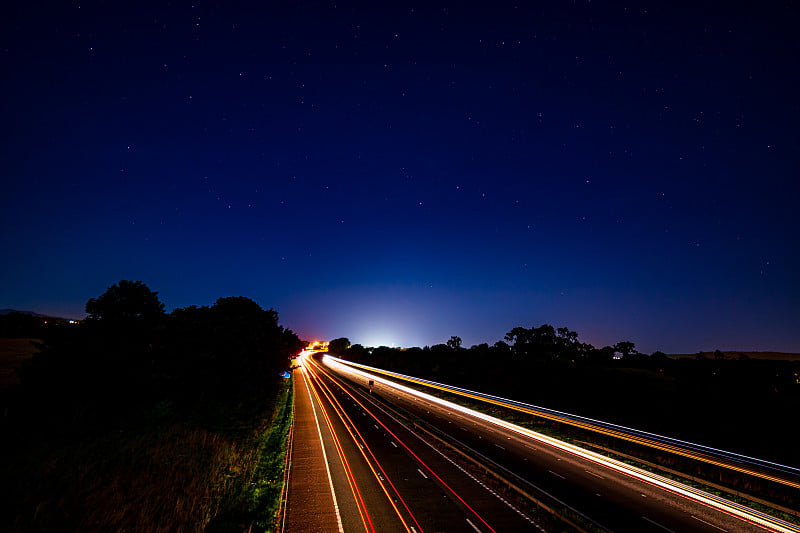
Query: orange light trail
[{"x": 362, "y": 508}]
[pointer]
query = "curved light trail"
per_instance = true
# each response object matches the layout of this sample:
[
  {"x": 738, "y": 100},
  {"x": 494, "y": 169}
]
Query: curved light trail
[
  {"x": 699, "y": 452},
  {"x": 709, "y": 500}
]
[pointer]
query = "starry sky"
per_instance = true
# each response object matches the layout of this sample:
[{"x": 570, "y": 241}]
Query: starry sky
[{"x": 397, "y": 173}]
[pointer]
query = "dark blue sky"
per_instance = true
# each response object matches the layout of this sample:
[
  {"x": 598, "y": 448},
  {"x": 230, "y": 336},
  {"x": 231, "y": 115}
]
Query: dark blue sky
[{"x": 402, "y": 174}]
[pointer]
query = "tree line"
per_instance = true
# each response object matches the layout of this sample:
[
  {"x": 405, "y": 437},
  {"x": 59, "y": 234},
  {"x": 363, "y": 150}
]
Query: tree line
[
  {"x": 702, "y": 398},
  {"x": 217, "y": 365},
  {"x": 543, "y": 344}
]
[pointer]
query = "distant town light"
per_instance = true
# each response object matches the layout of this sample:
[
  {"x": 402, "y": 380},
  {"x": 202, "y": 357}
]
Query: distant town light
[{"x": 318, "y": 345}]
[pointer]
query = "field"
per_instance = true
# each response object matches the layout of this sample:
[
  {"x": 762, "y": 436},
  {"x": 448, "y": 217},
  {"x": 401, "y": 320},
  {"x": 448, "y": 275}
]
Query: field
[
  {"x": 12, "y": 353},
  {"x": 735, "y": 354}
]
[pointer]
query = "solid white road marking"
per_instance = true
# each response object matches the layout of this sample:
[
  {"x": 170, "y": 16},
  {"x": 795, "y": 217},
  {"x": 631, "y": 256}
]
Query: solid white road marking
[{"x": 325, "y": 458}]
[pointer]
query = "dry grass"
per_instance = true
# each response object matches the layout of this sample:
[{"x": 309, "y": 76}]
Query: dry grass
[
  {"x": 171, "y": 479},
  {"x": 772, "y": 356}
]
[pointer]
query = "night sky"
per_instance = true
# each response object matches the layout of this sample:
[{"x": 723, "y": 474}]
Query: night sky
[{"x": 397, "y": 175}]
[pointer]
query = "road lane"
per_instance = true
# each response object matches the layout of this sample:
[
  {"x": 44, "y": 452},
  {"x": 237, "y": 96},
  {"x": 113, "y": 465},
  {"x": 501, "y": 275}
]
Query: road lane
[
  {"x": 362, "y": 501},
  {"x": 375, "y": 512},
  {"x": 310, "y": 501},
  {"x": 768, "y": 470}
]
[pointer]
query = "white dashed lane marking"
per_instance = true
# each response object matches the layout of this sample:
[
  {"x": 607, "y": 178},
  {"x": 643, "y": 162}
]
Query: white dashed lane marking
[
  {"x": 473, "y": 526},
  {"x": 665, "y": 528},
  {"x": 468, "y": 474},
  {"x": 708, "y": 523},
  {"x": 593, "y": 474}
]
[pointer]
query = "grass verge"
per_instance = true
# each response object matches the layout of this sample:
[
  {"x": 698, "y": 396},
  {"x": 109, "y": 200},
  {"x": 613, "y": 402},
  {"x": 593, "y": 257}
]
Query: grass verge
[
  {"x": 169, "y": 476},
  {"x": 264, "y": 492},
  {"x": 255, "y": 501}
]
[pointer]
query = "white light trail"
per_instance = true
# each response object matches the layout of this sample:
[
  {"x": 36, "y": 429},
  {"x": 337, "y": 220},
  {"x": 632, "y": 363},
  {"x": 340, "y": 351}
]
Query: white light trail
[{"x": 710, "y": 500}]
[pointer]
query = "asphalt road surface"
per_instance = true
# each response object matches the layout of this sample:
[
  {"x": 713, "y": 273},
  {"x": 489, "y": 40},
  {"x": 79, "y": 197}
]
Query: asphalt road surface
[{"x": 603, "y": 497}]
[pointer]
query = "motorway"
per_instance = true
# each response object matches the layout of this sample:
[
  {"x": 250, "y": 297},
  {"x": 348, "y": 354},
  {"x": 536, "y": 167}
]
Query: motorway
[
  {"x": 770, "y": 471},
  {"x": 605, "y": 495},
  {"x": 384, "y": 477}
]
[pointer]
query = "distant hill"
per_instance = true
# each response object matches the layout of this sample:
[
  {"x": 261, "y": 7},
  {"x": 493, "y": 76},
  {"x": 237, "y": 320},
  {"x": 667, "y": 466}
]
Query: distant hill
[
  {"x": 31, "y": 313},
  {"x": 735, "y": 354},
  {"x": 34, "y": 314},
  {"x": 27, "y": 324}
]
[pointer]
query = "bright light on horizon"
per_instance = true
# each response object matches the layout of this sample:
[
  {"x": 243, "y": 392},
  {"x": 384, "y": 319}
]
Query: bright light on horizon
[
  {"x": 377, "y": 336},
  {"x": 375, "y": 341}
]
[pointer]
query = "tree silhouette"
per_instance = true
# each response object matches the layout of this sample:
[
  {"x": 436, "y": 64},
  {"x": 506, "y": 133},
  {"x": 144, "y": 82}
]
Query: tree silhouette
[
  {"x": 454, "y": 342},
  {"x": 126, "y": 301},
  {"x": 338, "y": 346},
  {"x": 219, "y": 363},
  {"x": 540, "y": 343},
  {"x": 502, "y": 346},
  {"x": 566, "y": 336},
  {"x": 626, "y": 348},
  {"x": 520, "y": 339},
  {"x": 356, "y": 353},
  {"x": 105, "y": 364}
]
